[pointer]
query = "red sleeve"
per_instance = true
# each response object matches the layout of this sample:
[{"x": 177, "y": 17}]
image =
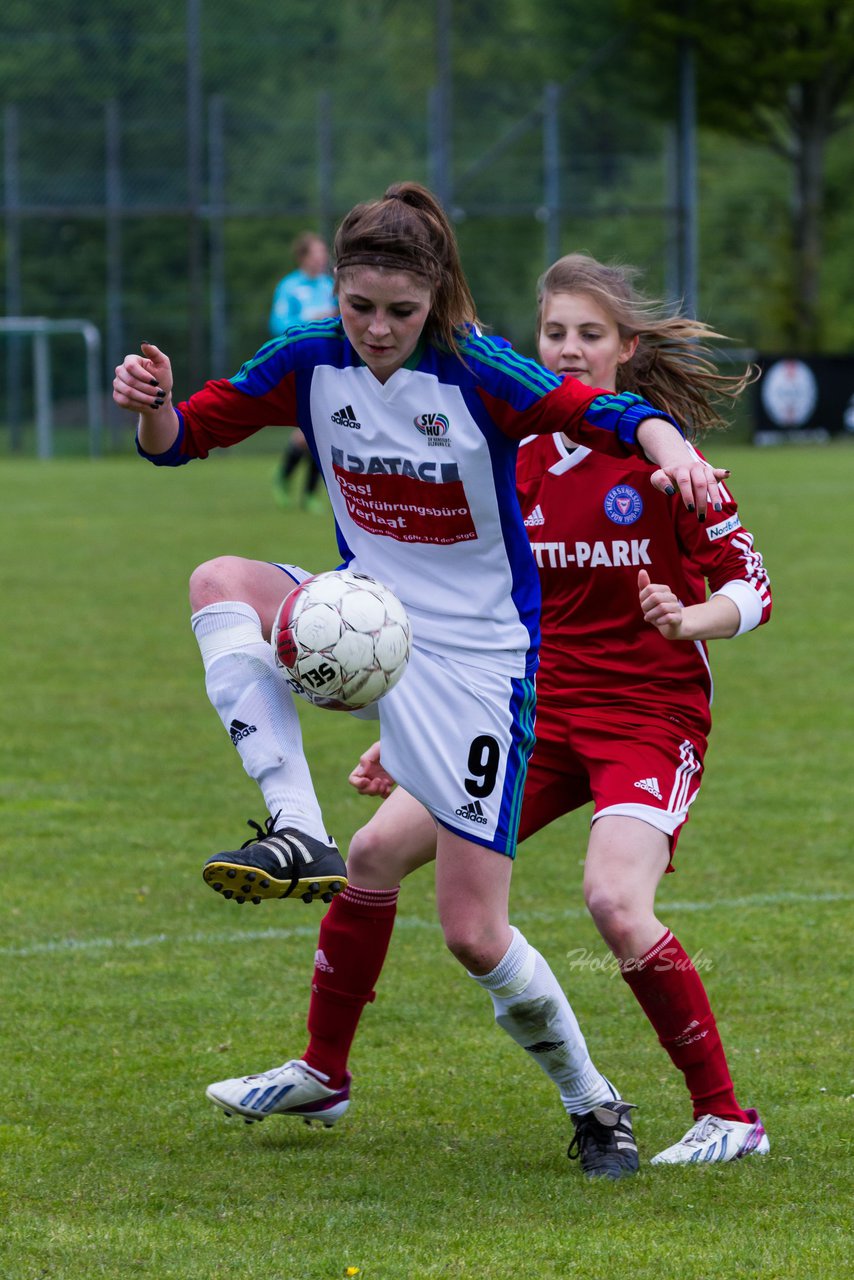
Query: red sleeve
[
  {"x": 219, "y": 415},
  {"x": 723, "y": 550},
  {"x": 606, "y": 421}
]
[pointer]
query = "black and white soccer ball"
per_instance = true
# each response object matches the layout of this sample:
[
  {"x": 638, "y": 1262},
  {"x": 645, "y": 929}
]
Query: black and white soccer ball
[{"x": 342, "y": 639}]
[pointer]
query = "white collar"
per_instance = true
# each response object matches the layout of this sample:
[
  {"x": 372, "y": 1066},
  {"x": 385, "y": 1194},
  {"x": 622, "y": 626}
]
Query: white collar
[{"x": 569, "y": 456}]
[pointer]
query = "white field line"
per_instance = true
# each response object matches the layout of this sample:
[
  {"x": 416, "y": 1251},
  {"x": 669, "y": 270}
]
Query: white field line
[{"x": 226, "y": 937}]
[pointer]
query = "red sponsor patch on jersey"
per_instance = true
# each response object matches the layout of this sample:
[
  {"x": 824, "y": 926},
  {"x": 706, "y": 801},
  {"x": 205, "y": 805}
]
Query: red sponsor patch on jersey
[{"x": 407, "y": 509}]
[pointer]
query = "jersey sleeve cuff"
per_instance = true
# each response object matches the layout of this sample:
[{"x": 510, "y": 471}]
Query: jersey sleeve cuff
[
  {"x": 173, "y": 456},
  {"x": 746, "y": 600},
  {"x": 633, "y": 415}
]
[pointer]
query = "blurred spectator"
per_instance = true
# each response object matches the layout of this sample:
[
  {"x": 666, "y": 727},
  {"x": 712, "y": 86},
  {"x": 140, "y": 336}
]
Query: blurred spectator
[{"x": 303, "y": 295}]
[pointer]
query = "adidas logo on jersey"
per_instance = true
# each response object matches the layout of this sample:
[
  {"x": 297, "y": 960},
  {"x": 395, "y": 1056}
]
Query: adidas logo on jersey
[
  {"x": 535, "y": 518},
  {"x": 472, "y": 812},
  {"x": 650, "y": 785},
  {"x": 239, "y": 730},
  {"x": 346, "y": 418}
]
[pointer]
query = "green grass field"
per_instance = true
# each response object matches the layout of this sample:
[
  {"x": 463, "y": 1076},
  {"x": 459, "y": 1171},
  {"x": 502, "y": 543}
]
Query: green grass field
[{"x": 127, "y": 985}]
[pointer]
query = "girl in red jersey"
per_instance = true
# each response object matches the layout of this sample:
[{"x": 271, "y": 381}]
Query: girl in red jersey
[
  {"x": 624, "y": 687},
  {"x": 624, "y": 692}
]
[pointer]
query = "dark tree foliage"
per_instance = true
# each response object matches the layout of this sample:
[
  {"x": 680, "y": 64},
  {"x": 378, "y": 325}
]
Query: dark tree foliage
[
  {"x": 282, "y": 75},
  {"x": 780, "y": 72}
]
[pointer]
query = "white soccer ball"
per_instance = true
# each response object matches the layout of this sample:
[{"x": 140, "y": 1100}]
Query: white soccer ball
[{"x": 342, "y": 639}]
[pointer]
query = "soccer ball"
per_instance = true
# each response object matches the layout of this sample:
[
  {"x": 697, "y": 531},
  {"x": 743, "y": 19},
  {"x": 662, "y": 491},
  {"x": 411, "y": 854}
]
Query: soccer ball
[{"x": 342, "y": 639}]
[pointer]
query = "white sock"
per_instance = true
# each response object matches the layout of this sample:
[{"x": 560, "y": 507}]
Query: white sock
[
  {"x": 252, "y": 699},
  {"x": 532, "y": 1008}
]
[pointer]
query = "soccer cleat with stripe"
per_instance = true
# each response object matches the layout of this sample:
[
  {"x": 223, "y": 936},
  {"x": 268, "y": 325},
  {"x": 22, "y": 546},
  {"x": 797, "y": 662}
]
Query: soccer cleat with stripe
[
  {"x": 278, "y": 863},
  {"x": 293, "y": 1089},
  {"x": 711, "y": 1140},
  {"x": 604, "y": 1142}
]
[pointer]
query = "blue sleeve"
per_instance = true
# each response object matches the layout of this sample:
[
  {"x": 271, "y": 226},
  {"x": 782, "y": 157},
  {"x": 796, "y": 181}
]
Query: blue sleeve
[
  {"x": 174, "y": 455},
  {"x": 623, "y": 413}
]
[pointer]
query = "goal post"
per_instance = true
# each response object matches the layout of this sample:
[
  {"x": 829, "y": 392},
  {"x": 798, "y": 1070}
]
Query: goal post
[{"x": 41, "y": 329}]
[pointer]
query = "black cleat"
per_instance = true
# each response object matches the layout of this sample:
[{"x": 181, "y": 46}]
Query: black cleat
[
  {"x": 604, "y": 1142},
  {"x": 278, "y": 864}
]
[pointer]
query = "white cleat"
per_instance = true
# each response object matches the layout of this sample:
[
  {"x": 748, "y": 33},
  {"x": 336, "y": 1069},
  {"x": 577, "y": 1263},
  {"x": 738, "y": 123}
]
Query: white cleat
[
  {"x": 711, "y": 1140},
  {"x": 293, "y": 1089}
]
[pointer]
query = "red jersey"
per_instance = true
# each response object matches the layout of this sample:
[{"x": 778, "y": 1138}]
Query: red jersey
[{"x": 594, "y": 521}]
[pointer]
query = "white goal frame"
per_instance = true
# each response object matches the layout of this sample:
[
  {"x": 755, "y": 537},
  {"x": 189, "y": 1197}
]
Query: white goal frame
[{"x": 41, "y": 329}]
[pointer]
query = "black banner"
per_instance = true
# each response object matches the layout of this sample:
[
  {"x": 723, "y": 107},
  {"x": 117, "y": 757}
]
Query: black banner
[{"x": 803, "y": 399}]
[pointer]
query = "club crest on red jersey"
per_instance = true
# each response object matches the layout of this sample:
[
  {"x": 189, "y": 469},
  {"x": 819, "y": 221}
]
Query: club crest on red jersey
[{"x": 623, "y": 504}]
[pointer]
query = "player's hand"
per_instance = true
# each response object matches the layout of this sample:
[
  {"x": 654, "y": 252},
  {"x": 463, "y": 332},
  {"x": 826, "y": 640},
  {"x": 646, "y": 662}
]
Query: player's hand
[
  {"x": 696, "y": 481},
  {"x": 660, "y": 607},
  {"x": 680, "y": 468},
  {"x": 369, "y": 777},
  {"x": 143, "y": 383}
]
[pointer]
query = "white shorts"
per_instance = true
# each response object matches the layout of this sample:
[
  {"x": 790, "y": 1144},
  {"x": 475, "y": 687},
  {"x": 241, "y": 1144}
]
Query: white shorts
[
  {"x": 458, "y": 738},
  {"x": 293, "y": 571}
]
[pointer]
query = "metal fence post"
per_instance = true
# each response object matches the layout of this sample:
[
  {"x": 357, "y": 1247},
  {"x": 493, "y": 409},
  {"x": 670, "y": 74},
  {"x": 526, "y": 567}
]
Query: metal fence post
[
  {"x": 41, "y": 383},
  {"x": 325, "y": 165},
  {"x": 551, "y": 170},
  {"x": 686, "y": 147},
  {"x": 441, "y": 108},
  {"x": 14, "y": 300},
  {"x": 94, "y": 394},
  {"x": 195, "y": 226},
  {"x": 115, "y": 344},
  {"x": 216, "y": 223}
]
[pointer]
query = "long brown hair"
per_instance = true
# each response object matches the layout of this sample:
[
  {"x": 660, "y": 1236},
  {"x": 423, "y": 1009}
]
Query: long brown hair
[
  {"x": 407, "y": 230},
  {"x": 672, "y": 366}
]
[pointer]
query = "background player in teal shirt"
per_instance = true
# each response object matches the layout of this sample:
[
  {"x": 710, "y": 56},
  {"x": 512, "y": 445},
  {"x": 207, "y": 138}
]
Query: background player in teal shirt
[{"x": 308, "y": 293}]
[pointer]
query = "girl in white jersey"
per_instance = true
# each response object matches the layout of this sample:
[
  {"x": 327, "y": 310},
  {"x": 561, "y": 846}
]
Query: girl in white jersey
[{"x": 460, "y": 724}]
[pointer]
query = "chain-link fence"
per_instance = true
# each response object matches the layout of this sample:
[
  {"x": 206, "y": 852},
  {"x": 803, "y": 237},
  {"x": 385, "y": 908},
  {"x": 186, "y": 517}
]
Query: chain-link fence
[{"x": 156, "y": 168}]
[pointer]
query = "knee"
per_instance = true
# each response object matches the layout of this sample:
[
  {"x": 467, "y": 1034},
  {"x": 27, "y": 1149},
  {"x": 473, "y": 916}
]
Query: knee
[
  {"x": 371, "y": 858},
  {"x": 474, "y": 943},
  {"x": 216, "y": 580},
  {"x": 615, "y": 915}
]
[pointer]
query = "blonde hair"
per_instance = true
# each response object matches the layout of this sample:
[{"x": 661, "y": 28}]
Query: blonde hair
[
  {"x": 407, "y": 230},
  {"x": 672, "y": 366}
]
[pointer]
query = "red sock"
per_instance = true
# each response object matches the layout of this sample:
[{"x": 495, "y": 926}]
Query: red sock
[
  {"x": 351, "y": 950},
  {"x": 671, "y": 993}
]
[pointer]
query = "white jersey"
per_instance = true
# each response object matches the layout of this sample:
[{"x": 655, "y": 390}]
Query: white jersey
[
  {"x": 420, "y": 470},
  {"x": 417, "y": 471}
]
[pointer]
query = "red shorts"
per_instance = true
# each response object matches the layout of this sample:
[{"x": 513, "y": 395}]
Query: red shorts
[{"x": 637, "y": 768}]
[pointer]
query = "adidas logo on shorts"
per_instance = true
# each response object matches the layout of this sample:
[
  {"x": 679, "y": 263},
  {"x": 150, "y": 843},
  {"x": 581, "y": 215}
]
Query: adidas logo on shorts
[
  {"x": 650, "y": 785},
  {"x": 472, "y": 812}
]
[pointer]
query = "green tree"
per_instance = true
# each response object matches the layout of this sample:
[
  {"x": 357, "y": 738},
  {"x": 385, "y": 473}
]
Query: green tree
[{"x": 780, "y": 72}]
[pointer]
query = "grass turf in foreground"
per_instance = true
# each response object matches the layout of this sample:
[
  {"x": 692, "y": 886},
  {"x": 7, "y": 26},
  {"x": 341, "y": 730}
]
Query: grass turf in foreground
[{"x": 127, "y": 985}]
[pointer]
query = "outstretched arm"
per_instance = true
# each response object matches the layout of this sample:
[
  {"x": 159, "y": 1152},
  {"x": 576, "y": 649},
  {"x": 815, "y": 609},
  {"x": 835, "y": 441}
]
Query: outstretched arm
[{"x": 614, "y": 423}]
